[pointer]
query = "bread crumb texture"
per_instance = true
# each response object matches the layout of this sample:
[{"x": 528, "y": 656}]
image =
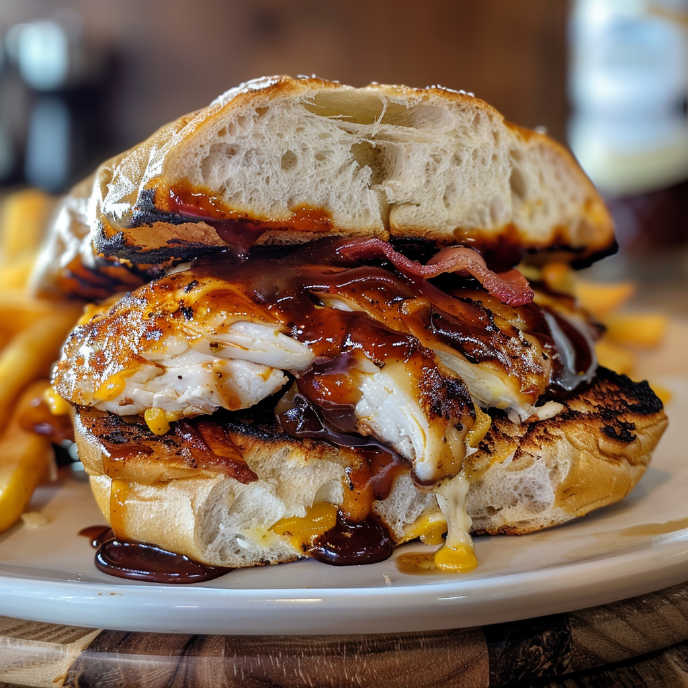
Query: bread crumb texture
[{"x": 307, "y": 155}]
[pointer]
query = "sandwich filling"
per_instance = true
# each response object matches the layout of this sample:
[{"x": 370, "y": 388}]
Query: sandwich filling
[{"x": 399, "y": 360}]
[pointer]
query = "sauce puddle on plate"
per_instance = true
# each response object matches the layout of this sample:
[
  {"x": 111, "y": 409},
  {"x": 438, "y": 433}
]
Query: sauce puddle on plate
[{"x": 140, "y": 561}]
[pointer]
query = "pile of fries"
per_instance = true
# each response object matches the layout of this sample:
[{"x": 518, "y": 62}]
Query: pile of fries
[
  {"x": 31, "y": 334},
  {"x": 32, "y": 331}
]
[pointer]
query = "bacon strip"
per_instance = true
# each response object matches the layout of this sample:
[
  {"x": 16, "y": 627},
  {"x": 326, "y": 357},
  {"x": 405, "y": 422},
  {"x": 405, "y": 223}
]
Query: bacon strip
[
  {"x": 211, "y": 447},
  {"x": 511, "y": 287}
]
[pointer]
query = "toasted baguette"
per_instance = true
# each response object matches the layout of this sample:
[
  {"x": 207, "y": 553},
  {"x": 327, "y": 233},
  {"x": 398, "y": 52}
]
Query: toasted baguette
[
  {"x": 593, "y": 453},
  {"x": 303, "y": 158},
  {"x": 523, "y": 477}
]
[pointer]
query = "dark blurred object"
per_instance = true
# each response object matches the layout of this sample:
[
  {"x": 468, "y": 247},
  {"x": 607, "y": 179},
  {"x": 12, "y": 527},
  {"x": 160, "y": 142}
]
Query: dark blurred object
[
  {"x": 652, "y": 220},
  {"x": 66, "y": 454},
  {"x": 629, "y": 88},
  {"x": 54, "y": 83}
]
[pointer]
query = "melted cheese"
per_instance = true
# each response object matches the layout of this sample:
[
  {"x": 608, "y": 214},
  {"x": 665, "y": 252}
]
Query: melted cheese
[
  {"x": 111, "y": 388},
  {"x": 429, "y": 528},
  {"x": 300, "y": 531},
  {"x": 119, "y": 494},
  {"x": 457, "y": 553},
  {"x": 483, "y": 422},
  {"x": 56, "y": 404},
  {"x": 156, "y": 420}
]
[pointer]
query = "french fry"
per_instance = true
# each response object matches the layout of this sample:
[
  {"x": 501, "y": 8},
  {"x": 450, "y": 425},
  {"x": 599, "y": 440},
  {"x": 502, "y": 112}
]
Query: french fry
[
  {"x": 23, "y": 218},
  {"x": 24, "y": 457},
  {"x": 662, "y": 392},
  {"x": 18, "y": 310},
  {"x": 614, "y": 357},
  {"x": 5, "y": 337},
  {"x": 601, "y": 299},
  {"x": 30, "y": 354},
  {"x": 531, "y": 272},
  {"x": 22, "y": 223},
  {"x": 646, "y": 330},
  {"x": 559, "y": 277},
  {"x": 31, "y": 334},
  {"x": 16, "y": 275}
]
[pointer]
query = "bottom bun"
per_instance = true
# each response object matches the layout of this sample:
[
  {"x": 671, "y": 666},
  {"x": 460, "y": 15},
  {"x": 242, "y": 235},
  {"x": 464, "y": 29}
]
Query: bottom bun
[{"x": 522, "y": 478}]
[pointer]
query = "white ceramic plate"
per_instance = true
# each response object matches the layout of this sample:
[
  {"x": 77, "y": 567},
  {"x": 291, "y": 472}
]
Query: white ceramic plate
[{"x": 637, "y": 546}]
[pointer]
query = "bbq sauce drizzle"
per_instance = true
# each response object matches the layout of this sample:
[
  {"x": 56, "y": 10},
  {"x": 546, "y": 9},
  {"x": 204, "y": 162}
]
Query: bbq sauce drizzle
[
  {"x": 393, "y": 313},
  {"x": 141, "y": 561}
]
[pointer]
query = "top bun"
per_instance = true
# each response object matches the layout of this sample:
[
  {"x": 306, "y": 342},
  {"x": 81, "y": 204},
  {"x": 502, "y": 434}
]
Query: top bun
[{"x": 280, "y": 160}]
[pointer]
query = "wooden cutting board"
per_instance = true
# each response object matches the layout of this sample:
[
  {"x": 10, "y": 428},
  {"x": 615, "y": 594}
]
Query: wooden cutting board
[{"x": 630, "y": 643}]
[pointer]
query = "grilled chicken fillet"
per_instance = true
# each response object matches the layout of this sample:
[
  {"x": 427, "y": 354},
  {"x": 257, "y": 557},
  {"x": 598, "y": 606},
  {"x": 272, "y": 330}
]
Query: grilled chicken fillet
[{"x": 372, "y": 351}]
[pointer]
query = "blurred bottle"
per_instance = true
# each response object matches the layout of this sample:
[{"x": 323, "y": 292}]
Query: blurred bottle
[
  {"x": 628, "y": 86},
  {"x": 13, "y": 108},
  {"x": 58, "y": 79}
]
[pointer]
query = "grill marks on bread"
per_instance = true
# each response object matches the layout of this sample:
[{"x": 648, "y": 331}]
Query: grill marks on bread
[
  {"x": 613, "y": 408},
  {"x": 592, "y": 453},
  {"x": 132, "y": 452}
]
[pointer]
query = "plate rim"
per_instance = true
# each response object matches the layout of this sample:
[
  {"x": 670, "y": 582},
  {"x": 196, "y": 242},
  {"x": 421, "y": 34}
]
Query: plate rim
[{"x": 454, "y": 604}]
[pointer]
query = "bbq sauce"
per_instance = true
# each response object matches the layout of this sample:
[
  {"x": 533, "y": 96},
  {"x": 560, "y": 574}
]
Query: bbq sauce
[
  {"x": 352, "y": 542},
  {"x": 235, "y": 228},
  {"x": 391, "y": 315},
  {"x": 380, "y": 465},
  {"x": 294, "y": 288},
  {"x": 183, "y": 201},
  {"x": 119, "y": 493},
  {"x": 294, "y": 291},
  {"x": 348, "y": 543},
  {"x": 418, "y": 564},
  {"x": 97, "y": 534},
  {"x": 141, "y": 561},
  {"x": 122, "y": 450}
]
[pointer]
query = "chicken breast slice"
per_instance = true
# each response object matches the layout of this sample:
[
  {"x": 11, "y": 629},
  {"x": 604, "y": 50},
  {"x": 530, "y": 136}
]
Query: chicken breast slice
[
  {"x": 125, "y": 362},
  {"x": 393, "y": 409}
]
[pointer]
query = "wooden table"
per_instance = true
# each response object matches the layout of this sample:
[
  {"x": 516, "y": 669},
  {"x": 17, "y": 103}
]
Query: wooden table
[{"x": 641, "y": 641}]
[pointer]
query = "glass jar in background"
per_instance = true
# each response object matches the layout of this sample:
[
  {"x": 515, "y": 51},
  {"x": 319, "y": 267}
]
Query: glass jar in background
[{"x": 628, "y": 86}]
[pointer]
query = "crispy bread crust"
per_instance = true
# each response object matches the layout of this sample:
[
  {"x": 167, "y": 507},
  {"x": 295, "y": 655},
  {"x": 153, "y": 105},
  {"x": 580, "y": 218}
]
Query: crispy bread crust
[
  {"x": 594, "y": 453},
  {"x": 164, "y": 458},
  {"x": 149, "y": 207}
]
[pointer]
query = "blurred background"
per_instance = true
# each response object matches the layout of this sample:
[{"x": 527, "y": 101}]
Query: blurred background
[{"x": 83, "y": 79}]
